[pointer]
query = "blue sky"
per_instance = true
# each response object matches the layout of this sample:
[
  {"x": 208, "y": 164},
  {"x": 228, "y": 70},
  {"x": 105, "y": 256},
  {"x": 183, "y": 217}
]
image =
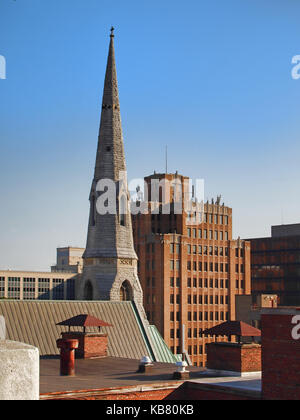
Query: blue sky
[{"x": 210, "y": 79}]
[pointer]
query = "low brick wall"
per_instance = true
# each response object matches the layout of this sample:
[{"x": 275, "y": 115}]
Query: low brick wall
[
  {"x": 234, "y": 357},
  {"x": 147, "y": 392}
]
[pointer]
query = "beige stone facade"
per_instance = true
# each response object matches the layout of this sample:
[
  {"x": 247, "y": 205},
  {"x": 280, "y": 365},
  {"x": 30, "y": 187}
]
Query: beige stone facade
[
  {"x": 69, "y": 259},
  {"x": 32, "y": 285}
]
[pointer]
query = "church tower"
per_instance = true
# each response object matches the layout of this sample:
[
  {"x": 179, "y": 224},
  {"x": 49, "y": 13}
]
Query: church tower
[{"x": 110, "y": 261}]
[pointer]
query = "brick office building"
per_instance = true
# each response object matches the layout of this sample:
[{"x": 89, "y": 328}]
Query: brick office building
[
  {"x": 189, "y": 267},
  {"x": 275, "y": 265}
]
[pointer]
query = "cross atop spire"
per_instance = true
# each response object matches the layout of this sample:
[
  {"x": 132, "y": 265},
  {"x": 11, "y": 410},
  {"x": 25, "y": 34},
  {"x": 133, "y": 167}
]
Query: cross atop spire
[{"x": 112, "y": 32}]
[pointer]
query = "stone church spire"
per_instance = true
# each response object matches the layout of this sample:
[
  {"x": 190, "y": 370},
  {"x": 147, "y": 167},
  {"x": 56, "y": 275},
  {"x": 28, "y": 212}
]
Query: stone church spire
[{"x": 110, "y": 261}]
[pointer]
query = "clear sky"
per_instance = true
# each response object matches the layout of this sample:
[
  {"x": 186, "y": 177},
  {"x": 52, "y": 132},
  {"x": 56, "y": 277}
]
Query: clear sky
[{"x": 211, "y": 79}]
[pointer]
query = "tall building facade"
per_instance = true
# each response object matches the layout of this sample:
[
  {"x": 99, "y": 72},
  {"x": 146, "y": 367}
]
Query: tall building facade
[
  {"x": 275, "y": 265},
  {"x": 190, "y": 268},
  {"x": 109, "y": 260}
]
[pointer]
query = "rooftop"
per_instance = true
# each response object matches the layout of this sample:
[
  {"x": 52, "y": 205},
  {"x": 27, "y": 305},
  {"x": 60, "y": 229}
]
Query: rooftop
[
  {"x": 103, "y": 374},
  {"x": 99, "y": 378}
]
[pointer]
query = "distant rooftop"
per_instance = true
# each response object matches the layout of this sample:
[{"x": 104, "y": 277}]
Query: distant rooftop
[{"x": 286, "y": 230}]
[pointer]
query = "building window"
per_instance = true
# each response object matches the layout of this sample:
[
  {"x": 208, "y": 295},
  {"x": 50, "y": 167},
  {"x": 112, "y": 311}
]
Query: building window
[
  {"x": 58, "y": 289},
  {"x": 44, "y": 289},
  {"x": 2, "y": 287},
  {"x": 13, "y": 287}
]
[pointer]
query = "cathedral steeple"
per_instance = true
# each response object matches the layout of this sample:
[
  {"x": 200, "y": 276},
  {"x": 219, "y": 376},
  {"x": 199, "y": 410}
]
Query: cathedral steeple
[{"x": 110, "y": 261}]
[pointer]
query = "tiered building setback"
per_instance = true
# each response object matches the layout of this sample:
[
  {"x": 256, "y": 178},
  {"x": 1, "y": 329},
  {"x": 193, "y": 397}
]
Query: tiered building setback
[{"x": 190, "y": 270}]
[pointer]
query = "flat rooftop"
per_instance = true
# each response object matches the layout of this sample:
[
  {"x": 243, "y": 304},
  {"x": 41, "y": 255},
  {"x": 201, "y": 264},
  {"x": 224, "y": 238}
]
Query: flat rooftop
[
  {"x": 107, "y": 375},
  {"x": 103, "y": 373}
]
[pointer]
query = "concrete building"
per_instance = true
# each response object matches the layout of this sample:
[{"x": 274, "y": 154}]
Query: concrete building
[
  {"x": 110, "y": 261},
  {"x": 31, "y": 285},
  {"x": 275, "y": 265},
  {"x": 190, "y": 270},
  {"x": 59, "y": 284},
  {"x": 68, "y": 260}
]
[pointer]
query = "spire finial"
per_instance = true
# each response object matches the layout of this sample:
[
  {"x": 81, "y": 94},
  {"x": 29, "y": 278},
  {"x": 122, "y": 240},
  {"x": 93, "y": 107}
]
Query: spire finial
[{"x": 112, "y": 32}]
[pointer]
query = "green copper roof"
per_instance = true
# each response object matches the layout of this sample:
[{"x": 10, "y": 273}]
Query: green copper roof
[{"x": 160, "y": 349}]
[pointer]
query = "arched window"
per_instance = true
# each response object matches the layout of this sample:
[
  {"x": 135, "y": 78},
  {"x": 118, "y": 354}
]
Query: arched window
[
  {"x": 126, "y": 292},
  {"x": 88, "y": 291}
]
